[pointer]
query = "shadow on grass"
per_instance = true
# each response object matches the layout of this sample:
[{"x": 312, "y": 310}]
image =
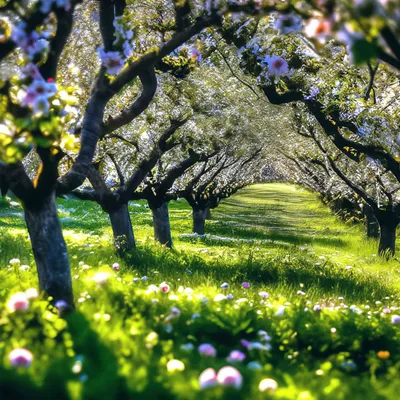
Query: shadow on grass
[{"x": 261, "y": 269}]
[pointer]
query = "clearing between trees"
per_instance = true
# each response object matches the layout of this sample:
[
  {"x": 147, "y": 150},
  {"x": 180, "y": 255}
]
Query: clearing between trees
[{"x": 279, "y": 288}]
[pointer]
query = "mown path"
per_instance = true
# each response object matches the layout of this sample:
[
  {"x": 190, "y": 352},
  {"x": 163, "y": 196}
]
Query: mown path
[{"x": 288, "y": 215}]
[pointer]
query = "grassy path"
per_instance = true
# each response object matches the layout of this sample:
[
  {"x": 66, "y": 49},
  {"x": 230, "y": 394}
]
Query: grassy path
[{"x": 277, "y": 234}]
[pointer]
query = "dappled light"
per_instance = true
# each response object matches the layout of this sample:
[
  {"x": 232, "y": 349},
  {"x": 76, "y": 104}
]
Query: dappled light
[{"x": 200, "y": 199}]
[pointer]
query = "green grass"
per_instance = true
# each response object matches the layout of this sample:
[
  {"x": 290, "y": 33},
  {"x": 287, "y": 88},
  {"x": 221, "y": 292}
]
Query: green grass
[{"x": 278, "y": 237}]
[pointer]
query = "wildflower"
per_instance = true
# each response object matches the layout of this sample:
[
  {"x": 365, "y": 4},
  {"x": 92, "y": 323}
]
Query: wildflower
[
  {"x": 20, "y": 358},
  {"x": 225, "y": 285},
  {"x": 219, "y": 297},
  {"x": 144, "y": 278},
  {"x": 264, "y": 295},
  {"x": 317, "y": 308},
  {"x": 207, "y": 350},
  {"x": 277, "y": 66},
  {"x": 348, "y": 365},
  {"x": 101, "y": 277},
  {"x": 112, "y": 61},
  {"x": 18, "y": 302},
  {"x": 301, "y": 293},
  {"x": 164, "y": 287},
  {"x": 230, "y": 296},
  {"x": 268, "y": 385},
  {"x": 246, "y": 285},
  {"x": 175, "y": 365},
  {"x": 152, "y": 289},
  {"x": 264, "y": 336},
  {"x": 24, "y": 267},
  {"x": 254, "y": 365},
  {"x": 280, "y": 311},
  {"x": 31, "y": 293},
  {"x": 287, "y": 23},
  {"x": 61, "y": 304},
  {"x": 236, "y": 356},
  {"x": 208, "y": 378},
  {"x": 15, "y": 262},
  {"x": 187, "y": 346},
  {"x": 396, "y": 319},
  {"x": 383, "y": 354},
  {"x": 318, "y": 28},
  {"x": 174, "y": 313},
  {"x": 230, "y": 376},
  {"x": 115, "y": 266}
]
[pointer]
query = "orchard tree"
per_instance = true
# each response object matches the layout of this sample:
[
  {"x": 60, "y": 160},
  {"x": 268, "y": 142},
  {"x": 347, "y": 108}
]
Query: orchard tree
[{"x": 36, "y": 105}]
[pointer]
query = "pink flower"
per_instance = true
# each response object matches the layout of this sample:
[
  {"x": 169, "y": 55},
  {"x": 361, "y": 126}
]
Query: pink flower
[
  {"x": 208, "y": 378},
  {"x": 246, "y": 285},
  {"x": 318, "y": 28},
  {"x": 277, "y": 66},
  {"x": 18, "y": 302},
  {"x": 112, "y": 61},
  {"x": 164, "y": 287},
  {"x": 20, "y": 358},
  {"x": 236, "y": 356},
  {"x": 230, "y": 376},
  {"x": 207, "y": 350},
  {"x": 115, "y": 266}
]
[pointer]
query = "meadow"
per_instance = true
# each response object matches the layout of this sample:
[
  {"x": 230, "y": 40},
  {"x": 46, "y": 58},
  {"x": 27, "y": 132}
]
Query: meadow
[{"x": 280, "y": 299}]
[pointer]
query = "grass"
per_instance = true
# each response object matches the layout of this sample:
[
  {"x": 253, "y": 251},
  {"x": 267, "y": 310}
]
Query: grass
[{"x": 278, "y": 237}]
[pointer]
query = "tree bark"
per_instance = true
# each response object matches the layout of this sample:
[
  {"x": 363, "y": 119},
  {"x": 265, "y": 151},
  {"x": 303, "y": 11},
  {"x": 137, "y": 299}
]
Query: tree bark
[
  {"x": 124, "y": 239},
  {"x": 162, "y": 227},
  {"x": 199, "y": 219},
  {"x": 387, "y": 241},
  {"x": 372, "y": 224},
  {"x": 208, "y": 213},
  {"x": 49, "y": 249}
]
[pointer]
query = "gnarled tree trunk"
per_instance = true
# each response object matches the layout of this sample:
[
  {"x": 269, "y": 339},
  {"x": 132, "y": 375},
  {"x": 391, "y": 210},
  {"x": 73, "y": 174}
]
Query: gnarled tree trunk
[
  {"x": 372, "y": 223},
  {"x": 387, "y": 241},
  {"x": 49, "y": 249},
  {"x": 124, "y": 239},
  {"x": 162, "y": 227},
  {"x": 199, "y": 220}
]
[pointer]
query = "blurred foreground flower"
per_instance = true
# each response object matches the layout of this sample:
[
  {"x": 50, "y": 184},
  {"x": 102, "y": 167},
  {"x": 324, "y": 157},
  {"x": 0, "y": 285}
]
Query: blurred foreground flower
[
  {"x": 20, "y": 358},
  {"x": 175, "y": 365},
  {"x": 230, "y": 376},
  {"x": 208, "y": 378},
  {"x": 268, "y": 385},
  {"x": 207, "y": 350},
  {"x": 18, "y": 302}
]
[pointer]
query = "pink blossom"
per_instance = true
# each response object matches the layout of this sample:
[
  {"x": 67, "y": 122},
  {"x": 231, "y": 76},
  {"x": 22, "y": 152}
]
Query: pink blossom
[
  {"x": 115, "y": 266},
  {"x": 208, "y": 378},
  {"x": 207, "y": 350},
  {"x": 230, "y": 376},
  {"x": 18, "y": 302},
  {"x": 236, "y": 356},
  {"x": 277, "y": 66},
  {"x": 20, "y": 358},
  {"x": 164, "y": 287},
  {"x": 318, "y": 28},
  {"x": 112, "y": 61}
]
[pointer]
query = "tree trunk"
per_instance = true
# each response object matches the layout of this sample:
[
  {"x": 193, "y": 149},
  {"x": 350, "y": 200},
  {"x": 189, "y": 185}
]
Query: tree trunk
[
  {"x": 121, "y": 224},
  {"x": 49, "y": 249},
  {"x": 387, "y": 241},
  {"x": 208, "y": 213},
  {"x": 199, "y": 219},
  {"x": 162, "y": 227},
  {"x": 371, "y": 222}
]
